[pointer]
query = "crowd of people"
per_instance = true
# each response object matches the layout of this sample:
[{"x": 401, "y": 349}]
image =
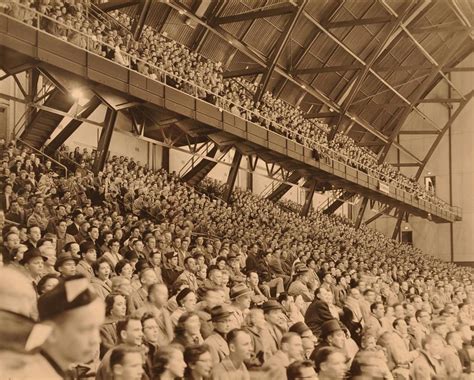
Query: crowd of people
[
  {"x": 132, "y": 274},
  {"x": 157, "y": 56}
]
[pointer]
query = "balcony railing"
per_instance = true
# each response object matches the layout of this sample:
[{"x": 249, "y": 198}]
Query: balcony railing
[{"x": 326, "y": 154}]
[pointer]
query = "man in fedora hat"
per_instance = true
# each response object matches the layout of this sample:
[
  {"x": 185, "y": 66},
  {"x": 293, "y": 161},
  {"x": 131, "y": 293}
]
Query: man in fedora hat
[
  {"x": 33, "y": 262},
  {"x": 221, "y": 320},
  {"x": 299, "y": 286},
  {"x": 240, "y": 298},
  {"x": 332, "y": 335},
  {"x": 66, "y": 264},
  {"x": 275, "y": 323}
]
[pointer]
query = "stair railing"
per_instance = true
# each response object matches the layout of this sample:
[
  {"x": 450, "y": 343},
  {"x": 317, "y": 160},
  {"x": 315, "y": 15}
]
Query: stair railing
[{"x": 45, "y": 156}]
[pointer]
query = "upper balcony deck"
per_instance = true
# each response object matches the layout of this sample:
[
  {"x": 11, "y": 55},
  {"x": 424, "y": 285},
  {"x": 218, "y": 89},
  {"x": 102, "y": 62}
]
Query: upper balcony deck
[{"x": 22, "y": 45}]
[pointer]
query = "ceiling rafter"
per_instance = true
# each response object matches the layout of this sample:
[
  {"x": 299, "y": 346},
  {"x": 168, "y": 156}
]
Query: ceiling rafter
[
  {"x": 278, "y": 49},
  {"x": 440, "y": 136},
  {"x": 423, "y": 50},
  {"x": 418, "y": 94},
  {"x": 326, "y": 69},
  {"x": 261, "y": 60},
  {"x": 357, "y": 84},
  {"x": 359, "y": 22},
  {"x": 331, "y": 12},
  {"x": 387, "y": 43},
  {"x": 269, "y": 11},
  {"x": 203, "y": 32}
]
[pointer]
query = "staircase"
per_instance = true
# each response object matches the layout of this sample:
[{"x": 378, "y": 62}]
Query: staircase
[
  {"x": 332, "y": 204},
  {"x": 44, "y": 122},
  {"x": 283, "y": 188},
  {"x": 196, "y": 174}
]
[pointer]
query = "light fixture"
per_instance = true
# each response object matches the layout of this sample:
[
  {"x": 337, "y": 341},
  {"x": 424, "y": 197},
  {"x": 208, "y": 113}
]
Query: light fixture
[{"x": 77, "y": 93}]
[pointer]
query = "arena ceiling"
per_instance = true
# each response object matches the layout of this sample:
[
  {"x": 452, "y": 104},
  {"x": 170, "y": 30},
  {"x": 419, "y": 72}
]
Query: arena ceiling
[{"x": 361, "y": 65}]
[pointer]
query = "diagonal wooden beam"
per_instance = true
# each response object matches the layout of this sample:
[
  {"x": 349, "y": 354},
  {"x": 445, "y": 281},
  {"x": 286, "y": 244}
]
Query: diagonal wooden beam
[
  {"x": 358, "y": 22},
  {"x": 270, "y": 11},
  {"x": 418, "y": 94},
  {"x": 326, "y": 69},
  {"x": 354, "y": 89},
  {"x": 278, "y": 49},
  {"x": 243, "y": 72},
  {"x": 139, "y": 23},
  {"x": 386, "y": 210},
  {"x": 440, "y": 136},
  {"x": 261, "y": 60},
  {"x": 328, "y": 14}
]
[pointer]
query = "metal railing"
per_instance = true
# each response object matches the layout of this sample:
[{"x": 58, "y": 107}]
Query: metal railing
[
  {"x": 202, "y": 150},
  {"x": 335, "y": 195},
  {"x": 45, "y": 156},
  {"x": 192, "y": 89}
]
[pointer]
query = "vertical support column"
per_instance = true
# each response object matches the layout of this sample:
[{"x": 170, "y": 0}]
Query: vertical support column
[
  {"x": 360, "y": 214},
  {"x": 309, "y": 199},
  {"x": 33, "y": 77},
  {"x": 249, "y": 174},
  {"x": 396, "y": 230},
  {"x": 234, "y": 170},
  {"x": 450, "y": 162},
  {"x": 165, "y": 158},
  {"x": 104, "y": 141}
]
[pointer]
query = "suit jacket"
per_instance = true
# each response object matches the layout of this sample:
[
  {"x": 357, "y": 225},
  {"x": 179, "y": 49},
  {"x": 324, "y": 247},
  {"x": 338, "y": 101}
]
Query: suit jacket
[
  {"x": 72, "y": 229},
  {"x": 298, "y": 288},
  {"x": 189, "y": 279},
  {"x": 108, "y": 335},
  {"x": 275, "y": 335},
  {"x": 163, "y": 320},
  {"x": 85, "y": 269},
  {"x": 137, "y": 300},
  {"x": 225, "y": 370},
  {"x": 4, "y": 202},
  {"x": 373, "y": 326},
  {"x": 276, "y": 366},
  {"x": 318, "y": 313},
  {"x": 426, "y": 368},
  {"x": 102, "y": 288},
  {"x": 217, "y": 346}
]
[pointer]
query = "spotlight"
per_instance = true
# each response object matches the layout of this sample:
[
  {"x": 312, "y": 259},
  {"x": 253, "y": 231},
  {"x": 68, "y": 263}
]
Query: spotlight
[{"x": 77, "y": 94}]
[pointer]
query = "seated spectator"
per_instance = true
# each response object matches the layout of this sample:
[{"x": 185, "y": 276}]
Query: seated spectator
[
  {"x": 240, "y": 350},
  {"x": 101, "y": 282},
  {"x": 115, "y": 310},
  {"x": 303, "y": 369},
  {"x": 330, "y": 363},
  {"x": 198, "y": 362},
  {"x": 168, "y": 363},
  {"x": 126, "y": 363}
]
